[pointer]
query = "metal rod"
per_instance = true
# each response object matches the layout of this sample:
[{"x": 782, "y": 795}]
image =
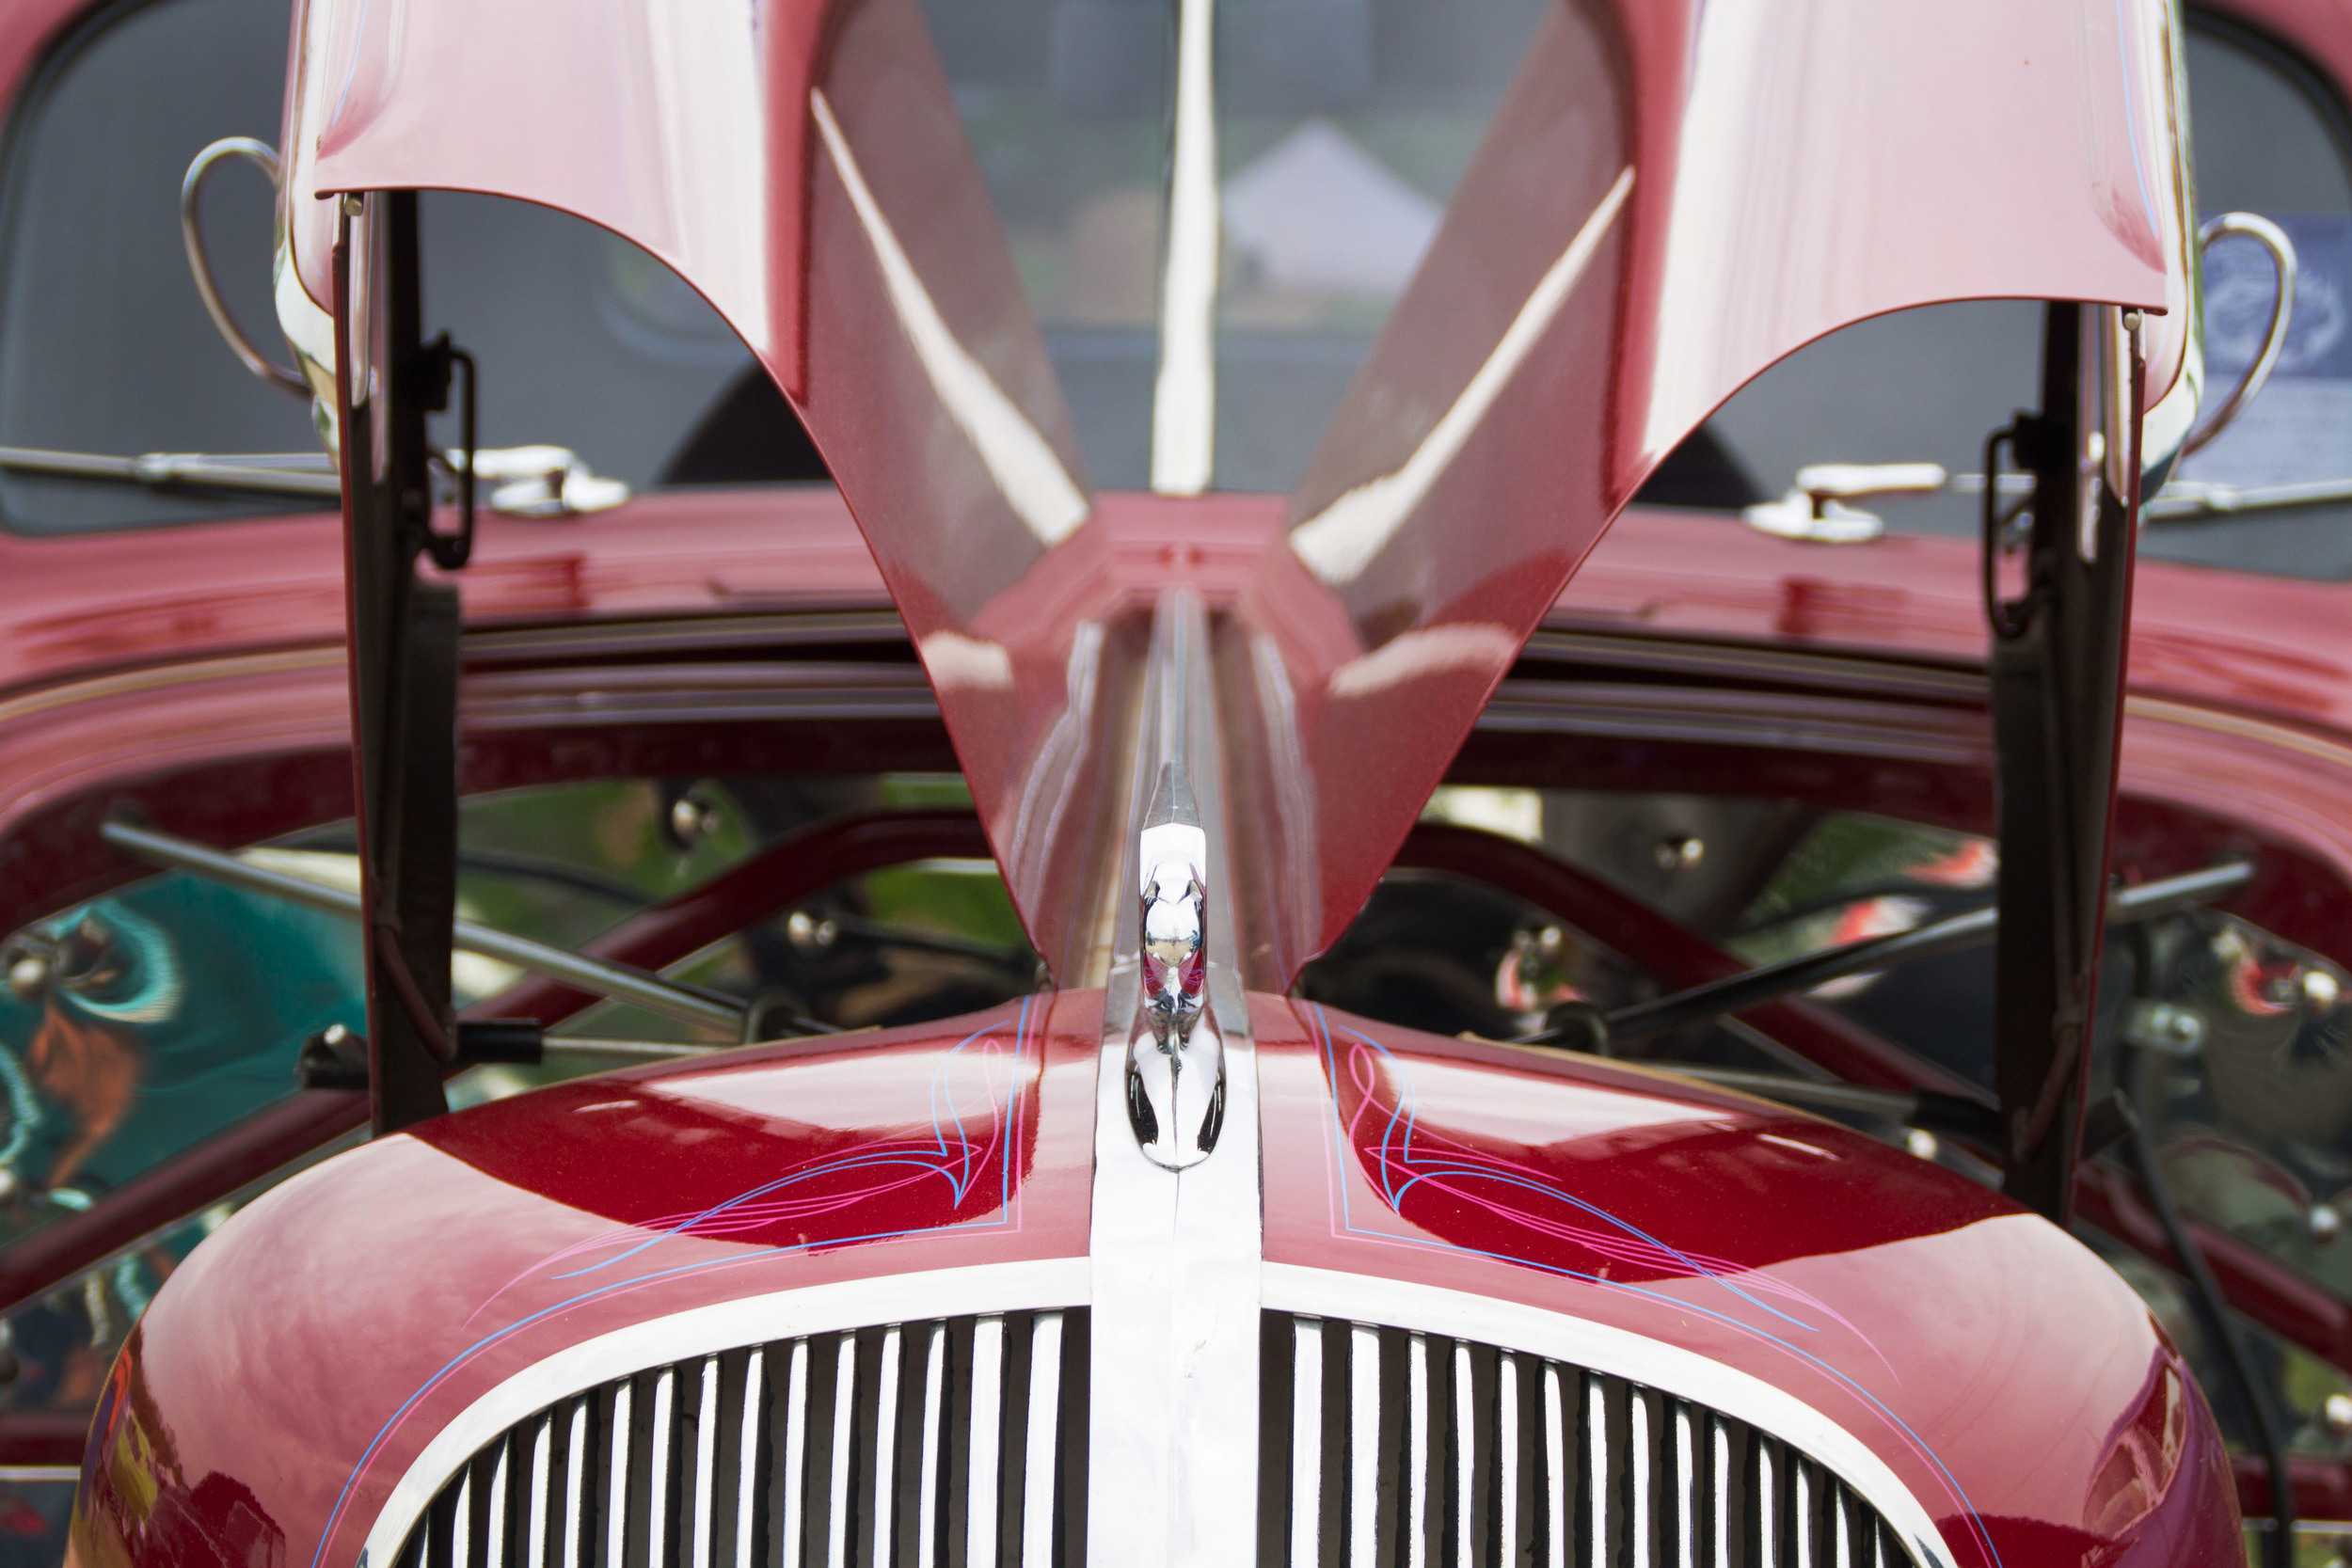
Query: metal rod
[
  {"x": 596, "y": 1045},
  {"x": 614, "y": 981},
  {"x": 1938, "y": 938},
  {"x": 263, "y": 472},
  {"x": 1893, "y": 1104}
]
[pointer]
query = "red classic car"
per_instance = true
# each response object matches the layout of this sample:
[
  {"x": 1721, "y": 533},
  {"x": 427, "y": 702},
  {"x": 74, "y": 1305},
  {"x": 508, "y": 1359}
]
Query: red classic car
[{"x": 1191, "y": 826}]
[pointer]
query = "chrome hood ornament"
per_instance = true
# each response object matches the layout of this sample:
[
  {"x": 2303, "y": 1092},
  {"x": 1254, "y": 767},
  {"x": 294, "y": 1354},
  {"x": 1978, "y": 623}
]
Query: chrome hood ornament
[{"x": 1175, "y": 1056}]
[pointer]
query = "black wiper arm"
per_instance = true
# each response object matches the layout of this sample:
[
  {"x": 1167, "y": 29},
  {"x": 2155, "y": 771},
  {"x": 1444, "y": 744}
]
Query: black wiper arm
[{"x": 1957, "y": 933}]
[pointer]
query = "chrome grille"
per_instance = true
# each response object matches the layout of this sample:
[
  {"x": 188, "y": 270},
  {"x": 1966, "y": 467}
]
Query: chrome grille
[
  {"x": 1384, "y": 1446},
  {"x": 958, "y": 1443}
]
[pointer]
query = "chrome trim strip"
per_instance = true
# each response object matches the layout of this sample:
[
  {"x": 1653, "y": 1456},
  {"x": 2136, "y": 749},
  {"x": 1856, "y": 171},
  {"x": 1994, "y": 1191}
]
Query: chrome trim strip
[
  {"x": 1555, "y": 1466},
  {"x": 1464, "y": 1478},
  {"x": 747, "y": 1456},
  {"x": 658, "y": 1435},
  {"x": 1645, "y": 1483},
  {"x": 795, "y": 1489},
  {"x": 778, "y": 1315},
  {"x": 494, "y": 1555},
  {"x": 1596, "y": 1470},
  {"x": 934, "y": 1394},
  {"x": 1619, "y": 1352},
  {"x": 1306, "y": 1442},
  {"x": 988, "y": 1384},
  {"x": 1767, "y": 1532},
  {"x": 1417, "y": 1512},
  {"x": 1721, "y": 1441},
  {"x": 844, "y": 1448},
  {"x": 1174, "y": 1337},
  {"x": 1507, "y": 1430},
  {"x": 1687, "y": 1477},
  {"x": 459, "y": 1543},
  {"x": 1038, "y": 1468},
  {"x": 542, "y": 1452},
  {"x": 1363, "y": 1440},
  {"x": 1184, "y": 395},
  {"x": 885, "y": 1441},
  {"x": 575, "y": 1491},
  {"x": 616, "y": 1468},
  {"x": 706, "y": 1455}
]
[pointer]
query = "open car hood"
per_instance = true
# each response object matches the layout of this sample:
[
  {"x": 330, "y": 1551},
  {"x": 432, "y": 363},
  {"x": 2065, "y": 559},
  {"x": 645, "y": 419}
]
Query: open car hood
[{"x": 1672, "y": 196}]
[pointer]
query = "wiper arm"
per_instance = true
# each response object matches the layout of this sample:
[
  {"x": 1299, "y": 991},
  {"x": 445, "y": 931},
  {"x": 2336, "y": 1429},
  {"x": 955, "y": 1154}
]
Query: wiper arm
[
  {"x": 524, "y": 482},
  {"x": 275, "y": 473},
  {"x": 1588, "y": 1028},
  {"x": 616, "y": 982}
]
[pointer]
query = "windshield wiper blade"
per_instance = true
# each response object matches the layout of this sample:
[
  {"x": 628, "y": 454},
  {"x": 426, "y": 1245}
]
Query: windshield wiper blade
[
  {"x": 295, "y": 473},
  {"x": 524, "y": 482}
]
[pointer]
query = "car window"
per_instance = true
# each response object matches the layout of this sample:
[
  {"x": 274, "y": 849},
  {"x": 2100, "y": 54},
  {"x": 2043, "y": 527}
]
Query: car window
[
  {"x": 583, "y": 339},
  {"x": 138, "y": 1024},
  {"x": 1928, "y": 385}
]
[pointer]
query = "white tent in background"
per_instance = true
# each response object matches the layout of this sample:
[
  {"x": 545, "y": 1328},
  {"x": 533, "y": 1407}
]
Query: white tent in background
[{"x": 1317, "y": 214}]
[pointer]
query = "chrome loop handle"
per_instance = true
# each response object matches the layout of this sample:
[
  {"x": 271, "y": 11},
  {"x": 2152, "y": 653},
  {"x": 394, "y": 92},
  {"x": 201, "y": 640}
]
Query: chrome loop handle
[
  {"x": 263, "y": 157},
  {"x": 2273, "y": 239}
]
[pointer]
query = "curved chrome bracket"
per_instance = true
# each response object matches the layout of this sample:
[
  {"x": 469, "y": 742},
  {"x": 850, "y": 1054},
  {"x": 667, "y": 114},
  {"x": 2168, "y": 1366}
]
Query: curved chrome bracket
[
  {"x": 2251, "y": 226},
  {"x": 263, "y": 157},
  {"x": 1175, "y": 1055}
]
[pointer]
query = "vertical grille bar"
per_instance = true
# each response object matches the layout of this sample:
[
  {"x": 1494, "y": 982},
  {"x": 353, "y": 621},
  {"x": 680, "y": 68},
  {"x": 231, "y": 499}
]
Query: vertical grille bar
[
  {"x": 981, "y": 1482},
  {"x": 1452, "y": 1454},
  {"x": 1306, "y": 1444},
  {"x": 1417, "y": 1462},
  {"x": 934, "y": 1427},
  {"x": 1038, "y": 1469},
  {"x": 787, "y": 1482}
]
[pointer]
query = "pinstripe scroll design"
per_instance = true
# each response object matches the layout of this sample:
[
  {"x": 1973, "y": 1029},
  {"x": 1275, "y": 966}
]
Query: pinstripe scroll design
[{"x": 970, "y": 1149}]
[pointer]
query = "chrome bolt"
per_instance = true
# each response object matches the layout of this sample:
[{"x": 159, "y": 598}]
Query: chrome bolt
[
  {"x": 1921, "y": 1144},
  {"x": 693, "y": 819},
  {"x": 2336, "y": 1413},
  {"x": 2324, "y": 1222},
  {"x": 2321, "y": 990},
  {"x": 806, "y": 932},
  {"x": 1680, "y": 851},
  {"x": 28, "y": 977}
]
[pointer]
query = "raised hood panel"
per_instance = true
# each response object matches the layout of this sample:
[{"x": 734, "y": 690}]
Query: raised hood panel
[{"x": 1672, "y": 196}]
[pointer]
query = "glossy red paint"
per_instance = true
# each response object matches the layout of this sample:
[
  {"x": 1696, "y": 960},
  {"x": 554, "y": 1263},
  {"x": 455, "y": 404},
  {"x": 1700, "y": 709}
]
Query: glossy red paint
[
  {"x": 588, "y": 1206},
  {"x": 1907, "y": 1305},
  {"x": 1591, "y": 233},
  {"x": 1780, "y": 1245}
]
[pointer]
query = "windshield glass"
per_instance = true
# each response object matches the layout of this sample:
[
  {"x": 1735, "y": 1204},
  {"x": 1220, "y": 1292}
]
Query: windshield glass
[{"x": 104, "y": 346}]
